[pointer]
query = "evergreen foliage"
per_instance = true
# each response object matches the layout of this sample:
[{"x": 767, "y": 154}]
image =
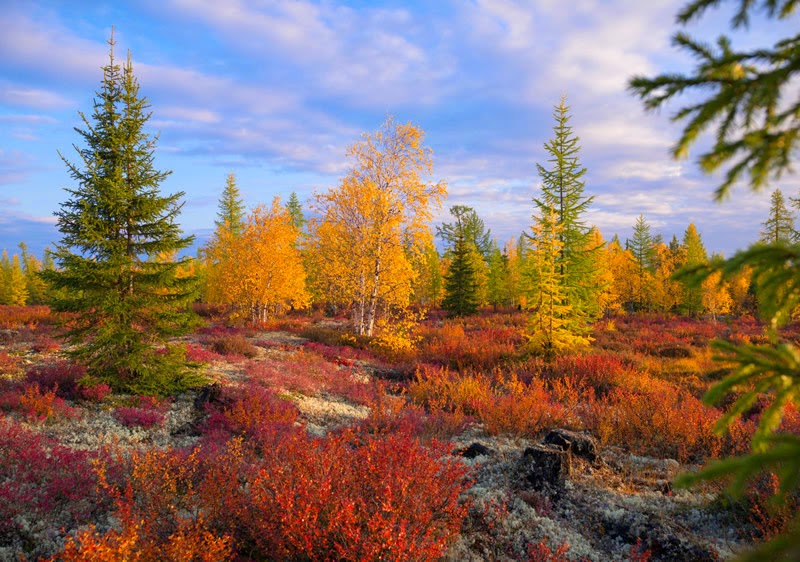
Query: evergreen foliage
[
  {"x": 756, "y": 113},
  {"x": 470, "y": 225},
  {"x": 460, "y": 281},
  {"x": 295, "y": 210},
  {"x": 753, "y": 103},
  {"x": 231, "y": 208},
  {"x": 555, "y": 327},
  {"x": 641, "y": 245},
  {"x": 779, "y": 226},
  {"x": 694, "y": 254},
  {"x": 123, "y": 302},
  {"x": 563, "y": 195}
]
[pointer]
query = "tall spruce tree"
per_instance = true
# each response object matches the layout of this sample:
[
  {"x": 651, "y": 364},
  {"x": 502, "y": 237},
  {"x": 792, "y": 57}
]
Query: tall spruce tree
[
  {"x": 231, "y": 208},
  {"x": 779, "y": 226},
  {"x": 695, "y": 255},
  {"x": 124, "y": 303},
  {"x": 460, "y": 281},
  {"x": 563, "y": 195},
  {"x": 642, "y": 247},
  {"x": 470, "y": 225},
  {"x": 296, "y": 212}
]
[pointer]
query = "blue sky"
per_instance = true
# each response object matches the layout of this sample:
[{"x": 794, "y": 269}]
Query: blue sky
[{"x": 275, "y": 91}]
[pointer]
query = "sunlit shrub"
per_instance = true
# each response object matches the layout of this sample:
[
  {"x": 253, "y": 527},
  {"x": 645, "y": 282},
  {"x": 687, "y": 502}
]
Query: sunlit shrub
[
  {"x": 198, "y": 354},
  {"x": 13, "y": 317},
  {"x": 44, "y": 486},
  {"x": 233, "y": 345},
  {"x": 10, "y": 365},
  {"x": 61, "y": 377},
  {"x": 348, "y": 497},
  {"x": 138, "y": 417}
]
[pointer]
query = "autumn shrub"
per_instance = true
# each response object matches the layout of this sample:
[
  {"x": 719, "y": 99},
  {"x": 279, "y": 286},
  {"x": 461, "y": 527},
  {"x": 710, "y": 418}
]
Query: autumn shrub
[
  {"x": 44, "y": 486},
  {"x": 767, "y": 518},
  {"x": 351, "y": 496},
  {"x": 663, "y": 422},
  {"x": 139, "y": 417},
  {"x": 93, "y": 390},
  {"x": 233, "y": 345},
  {"x": 322, "y": 334},
  {"x": 156, "y": 512},
  {"x": 251, "y": 411},
  {"x": 45, "y": 344},
  {"x": 199, "y": 354},
  {"x": 61, "y": 376},
  {"x": 453, "y": 346},
  {"x": 36, "y": 404},
  {"x": 14, "y": 317},
  {"x": 10, "y": 365},
  {"x": 310, "y": 373},
  {"x": 521, "y": 409}
]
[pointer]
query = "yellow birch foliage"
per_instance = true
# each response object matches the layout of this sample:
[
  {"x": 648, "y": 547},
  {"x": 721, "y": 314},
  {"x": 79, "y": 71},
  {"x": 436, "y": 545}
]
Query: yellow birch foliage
[
  {"x": 259, "y": 272},
  {"x": 666, "y": 293},
  {"x": 716, "y": 297},
  {"x": 373, "y": 222},
  {"x": 626, "y": 284}
]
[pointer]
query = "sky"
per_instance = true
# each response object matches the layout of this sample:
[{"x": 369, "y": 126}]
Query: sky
[{"x": 275, "y": 92}]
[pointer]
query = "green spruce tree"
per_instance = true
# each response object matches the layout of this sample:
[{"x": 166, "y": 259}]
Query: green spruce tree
[
  {"x": 296, "y": 212},
  {"x": 124, "y": 303},
  {"x": 642, "y": 247},
  {"x": 563, "y": 194},
  {"x": 695, "y": 255},
  {"x": 460, "y": 281},
  {"x": 779, "y": 226},
  {"x": 231, "y": 212}
]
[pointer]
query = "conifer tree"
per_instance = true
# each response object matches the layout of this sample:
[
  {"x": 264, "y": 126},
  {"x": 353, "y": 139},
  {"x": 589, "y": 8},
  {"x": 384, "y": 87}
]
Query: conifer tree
[
  {"x": 124, "y": 302},
  {"x": 748, "y": 98},
  {"x": 563, "y": 194},
  {"x": 641, "y": 246},
  {"x": 468, "y": 223},
  {"x": 31, "y": 267},
  {"x": 497, "y": 284},
  {"x": 695, "y": 255},
  {"x": 554, "y": 326},
  {"x": 17, "y": 286},
  {"x": 231, "y": 208},
  {"x": 5, "y": 278},
  {"x": 460, "y": 281},
  {"x": 779, "y": 226},
  {"x": 296, "y": 212}
]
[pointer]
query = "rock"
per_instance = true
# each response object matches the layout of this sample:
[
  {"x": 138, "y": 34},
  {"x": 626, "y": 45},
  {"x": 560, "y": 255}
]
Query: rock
[
  {"x": 474, "y": 450},
  {"x": 8, "y": 336},
  {"x": 579, "y": 444},
  {"x": 546, "y": 466},
  {"x": 209, "y": 394},
  {"x": 674, "y": 352}
]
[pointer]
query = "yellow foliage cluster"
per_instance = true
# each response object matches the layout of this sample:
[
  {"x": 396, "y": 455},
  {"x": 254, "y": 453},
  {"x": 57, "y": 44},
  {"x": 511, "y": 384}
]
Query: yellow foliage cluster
[{"x": 261, "y": 271}]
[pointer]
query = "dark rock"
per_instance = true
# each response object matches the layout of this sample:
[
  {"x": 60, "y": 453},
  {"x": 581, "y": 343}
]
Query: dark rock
[
  {"x": 665, "y": 544},
  {"x": 674, "y": 352},
  {"x": 546, "y": 466},
  {"x": 579, "y": 444},
  {"x": 8, "y": 336},
  {"x": 209, "y": 394},
  {"x": 474, "y": 450}
]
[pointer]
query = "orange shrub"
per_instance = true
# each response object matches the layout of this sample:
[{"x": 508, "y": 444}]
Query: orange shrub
[
  {"x": 13, "y": 317},
  {"x": 663, "y": 422}
]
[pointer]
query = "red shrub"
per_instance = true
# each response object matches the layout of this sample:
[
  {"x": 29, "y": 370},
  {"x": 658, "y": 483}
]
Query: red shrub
[
  {"x": 61, "y": 377},
  {"x": 349, "y": 497},
  {"x": 9, "y": 364},
  {"x": 198, "y": 354},
  {"x": 44, "y": 483},
  {"x": 139, "y": 417},
  {"x": 94, "y": 392},
  {"x": 12, "y": 317}
]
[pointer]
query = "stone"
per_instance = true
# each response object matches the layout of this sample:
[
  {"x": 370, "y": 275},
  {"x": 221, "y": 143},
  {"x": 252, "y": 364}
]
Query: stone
[
  {"x": 545, "y": 466},
  {"x": 579, "y": 444},
  {"x": 474, "y": 450}
]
